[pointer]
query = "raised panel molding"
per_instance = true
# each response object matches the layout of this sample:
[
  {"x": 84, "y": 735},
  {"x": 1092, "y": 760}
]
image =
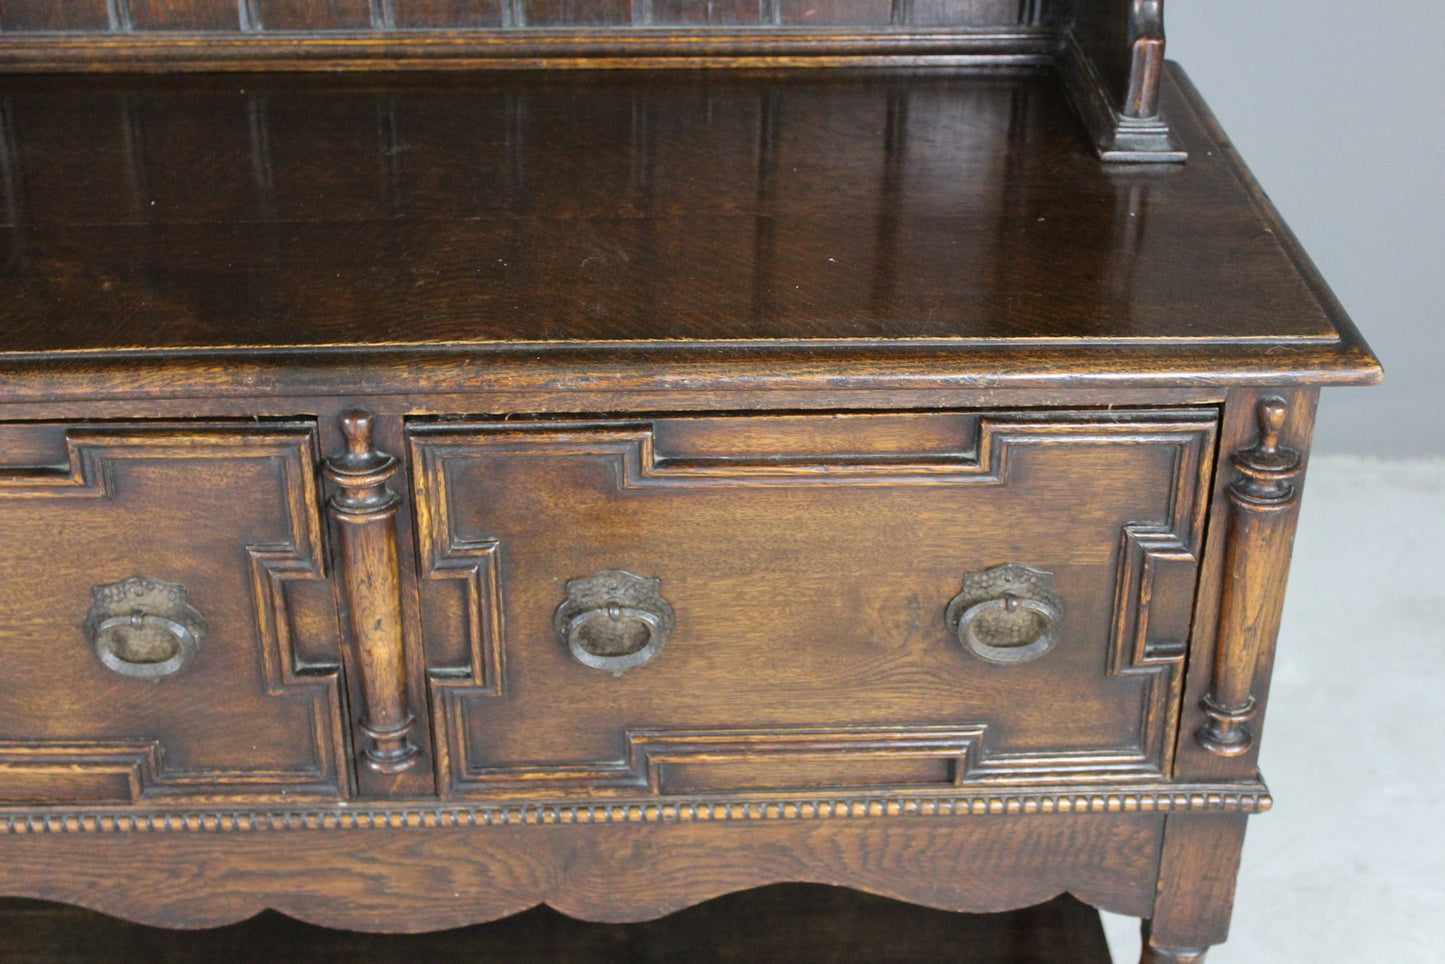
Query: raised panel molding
[
  {"x": 1155, "y": 557},
  {"x": 473, "y": 568},
  {"x": 640, "y": 464},
  {"x": 91, "y": 772},
  {"x": 1154, "y": 562},
  {"x": 75, "y": 769}
]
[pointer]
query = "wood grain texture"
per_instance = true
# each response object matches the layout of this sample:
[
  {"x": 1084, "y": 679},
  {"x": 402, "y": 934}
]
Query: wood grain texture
[
  {"x": 520, "y": 252},
  {"x": 785, "y": 923},
  {"x": 545, "y": 48},
  {"x": 654, "y": 378},
  {"x": 165, "y": 15},
  {"x": 364, "y": 509},
  {"x": 1197, "y": 871},
  {"x": 315, "y": 15},
  {"x": 422, "y": 879},
  {"x": 442, "y": 14},
  {"x": 582, "y": 400},
  {"x": 1112, "y": 52},
  {"x": 256, "y": 715},
  {"x": 810, "y": 595},
  {"x": 1239, "y": 431},
  {"x": 733, "y": 805},
  {"x": 1262, "y": 501},
  {"x": 920, "y": 330},
  {"x": 25, "y": 16}
]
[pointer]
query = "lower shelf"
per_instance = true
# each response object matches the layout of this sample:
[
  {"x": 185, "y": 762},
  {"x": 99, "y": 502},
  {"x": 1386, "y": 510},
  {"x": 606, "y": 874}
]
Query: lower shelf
[{"x": 780, "y": 923}]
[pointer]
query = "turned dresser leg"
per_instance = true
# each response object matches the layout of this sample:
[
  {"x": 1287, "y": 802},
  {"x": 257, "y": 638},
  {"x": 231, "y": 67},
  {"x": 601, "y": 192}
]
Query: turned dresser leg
[{"x": 1170, "y": 955}]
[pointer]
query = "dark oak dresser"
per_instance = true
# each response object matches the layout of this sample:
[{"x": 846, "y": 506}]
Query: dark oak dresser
[{"x": 463, "y": 454}]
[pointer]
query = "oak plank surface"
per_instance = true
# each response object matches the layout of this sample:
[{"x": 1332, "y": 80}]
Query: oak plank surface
[{"x": 783, "y": 207}]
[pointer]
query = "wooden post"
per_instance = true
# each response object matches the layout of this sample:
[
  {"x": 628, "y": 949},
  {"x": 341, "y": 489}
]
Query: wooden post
[
  {"x": 1256, "y": 565},
  {"x": 1197, "y": 869},
  {"x": 364, "y": 508}
]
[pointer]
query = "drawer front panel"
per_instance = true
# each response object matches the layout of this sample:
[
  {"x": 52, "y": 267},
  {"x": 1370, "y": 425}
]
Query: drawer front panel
[
  {"x": 806, "y": 566},
  {"x": 169, "y": 630}
]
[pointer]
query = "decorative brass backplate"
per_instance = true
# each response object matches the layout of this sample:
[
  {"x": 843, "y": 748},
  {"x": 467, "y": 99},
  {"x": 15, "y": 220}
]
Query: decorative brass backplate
[
  {"x": 144, "y": 627},
  {"x": 1006, "y": 614},
  {"x": 614, "y": 620}
]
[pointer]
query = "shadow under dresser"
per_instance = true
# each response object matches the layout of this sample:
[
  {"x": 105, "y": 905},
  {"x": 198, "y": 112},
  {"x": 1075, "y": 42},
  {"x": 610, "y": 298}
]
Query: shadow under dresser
[{"x": 427, "y": 493}]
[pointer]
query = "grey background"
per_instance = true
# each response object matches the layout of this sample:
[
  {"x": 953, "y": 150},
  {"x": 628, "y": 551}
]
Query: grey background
[
  {"x": 1349, "y": 866},
  {"x": 1339, "y": 109}
]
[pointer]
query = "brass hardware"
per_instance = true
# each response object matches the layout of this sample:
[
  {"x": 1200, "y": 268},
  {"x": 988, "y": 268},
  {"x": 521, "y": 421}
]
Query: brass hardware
[
  {"x": 144, "y": 627},
  {"x": 614, "y": 620},
  {"x": 1006, "y": 614}
]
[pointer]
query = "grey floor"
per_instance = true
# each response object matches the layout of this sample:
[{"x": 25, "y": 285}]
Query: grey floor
[{"x": 1349, "y": 866}]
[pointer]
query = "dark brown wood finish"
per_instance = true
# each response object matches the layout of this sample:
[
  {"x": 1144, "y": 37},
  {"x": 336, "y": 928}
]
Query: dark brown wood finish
[
  {"x": 1112, "y": 50},
  {"x": 364, "y": 509},
  {"x": 785, "y": 923},
  {"x": 30, "y": 17},
  {"x": 1112, "y": 61},
  {"x": 1221, "y": 586},
  {"x": 256, "y": 714},
  {"x": 819, "y": 554},
  {"x": 433, "y": 875},
  {"x": 923, "y": 209},
  {"x": 927, "y": 466},
  {"x": 1096, "y": 340},
  {"x": 1256, "y": 564},
  {"x": 1234, "y": 635},
  {"x": 1196, "y": 888}
]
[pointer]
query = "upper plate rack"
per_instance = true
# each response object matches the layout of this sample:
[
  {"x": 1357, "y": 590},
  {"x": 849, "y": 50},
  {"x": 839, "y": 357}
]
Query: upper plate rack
[{"x": 1109, "y": 52}]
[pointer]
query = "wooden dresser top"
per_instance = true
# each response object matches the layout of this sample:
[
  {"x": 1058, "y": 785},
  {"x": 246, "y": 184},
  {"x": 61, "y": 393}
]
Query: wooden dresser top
[{"x": 944, "y": 219}]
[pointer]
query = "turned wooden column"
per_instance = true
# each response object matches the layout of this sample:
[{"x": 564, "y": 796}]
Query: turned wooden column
[
  {"x": 364, "y": 508},
  {"x": 1256, "y": 565}
]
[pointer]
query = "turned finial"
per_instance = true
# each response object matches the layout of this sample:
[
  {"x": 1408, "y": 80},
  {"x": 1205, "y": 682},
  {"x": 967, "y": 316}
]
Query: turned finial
[
  {"x": 1267, "y": 468},
  {"x": 358, "y": 426},
  {"x": 1272, "y": 413},
  {"x": 360, "y": 472}
]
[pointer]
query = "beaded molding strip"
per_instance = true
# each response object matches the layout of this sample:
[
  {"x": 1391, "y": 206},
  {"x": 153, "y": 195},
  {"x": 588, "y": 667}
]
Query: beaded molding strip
[{"x": 1228, "y": 798}]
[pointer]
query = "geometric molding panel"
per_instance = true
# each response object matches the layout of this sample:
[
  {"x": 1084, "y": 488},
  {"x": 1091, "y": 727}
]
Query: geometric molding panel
[
  {"x": 77, "y": 772},
  {"x": 1158, "y": 572},
  {"x": 1155, "y": 571},
  {"x": 75, "y": 768}
]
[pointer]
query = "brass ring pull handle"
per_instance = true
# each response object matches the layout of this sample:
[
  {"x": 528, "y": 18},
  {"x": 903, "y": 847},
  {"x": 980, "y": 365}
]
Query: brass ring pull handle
[
  {"x": 614, "y": 620},
  {"x": 144, "y": 627},
  {"x": 1006, "y": 614}
]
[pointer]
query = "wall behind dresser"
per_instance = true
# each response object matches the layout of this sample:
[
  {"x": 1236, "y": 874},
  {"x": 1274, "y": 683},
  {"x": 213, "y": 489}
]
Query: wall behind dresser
[{"x": 1336, "y": 106}]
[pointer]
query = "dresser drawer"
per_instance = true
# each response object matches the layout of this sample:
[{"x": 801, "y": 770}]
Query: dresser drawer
[
  {"x": 169, "y": 630},
  {"x": 700, "y": 604}
]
